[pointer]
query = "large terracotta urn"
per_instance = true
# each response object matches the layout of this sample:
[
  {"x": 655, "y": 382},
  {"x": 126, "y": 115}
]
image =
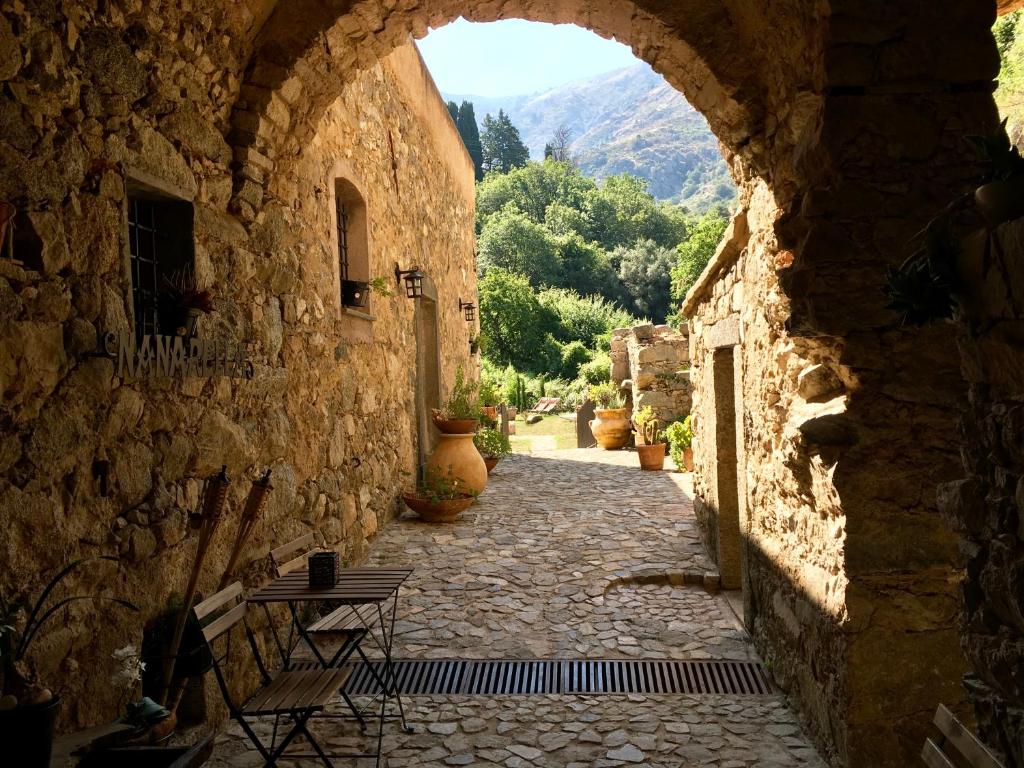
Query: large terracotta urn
[
  {"x": 457, "y": 456},
  {"x": 611, "y": 428}
]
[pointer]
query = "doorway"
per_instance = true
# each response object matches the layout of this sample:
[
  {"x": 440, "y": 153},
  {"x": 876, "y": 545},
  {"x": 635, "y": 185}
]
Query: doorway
[
  {"x": 727, "y": 427},
  {"x": 428, "y": 365}
]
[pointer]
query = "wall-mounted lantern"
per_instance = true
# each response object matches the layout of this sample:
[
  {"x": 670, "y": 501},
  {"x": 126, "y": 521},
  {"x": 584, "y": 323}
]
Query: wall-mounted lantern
[
  {"x": 413, "y": 281},
  {"x": 469, "y": 308}
]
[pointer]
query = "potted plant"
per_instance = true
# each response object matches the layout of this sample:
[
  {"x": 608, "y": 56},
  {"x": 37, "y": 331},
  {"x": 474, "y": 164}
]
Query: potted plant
[
  {"x": 610, "y": 426},
  {"x": 28, "y": 708},
  {"x": 356, "y": 293},
  {"x": 493, "y": 446},
  {"x": 461, "y": 411},
  {"x": 1001, "y": 197},
  {"x": 181, "y": 303},
  {"x": 652, "y": 451},
  {"x": 439, "y": 498},
  {"x": 680, "y": 440},
  {"x": 489, "y": 399}
]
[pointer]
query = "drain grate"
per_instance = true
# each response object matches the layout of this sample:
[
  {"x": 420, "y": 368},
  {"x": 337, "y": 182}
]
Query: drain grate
[{"x": 566, "y": 676}]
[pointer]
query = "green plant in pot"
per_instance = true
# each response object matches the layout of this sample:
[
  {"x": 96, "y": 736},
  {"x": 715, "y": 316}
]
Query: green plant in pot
[
  {"x": 680, "y": 440},
  {"x": 356, "y": 293},
  {"x": 28, "y": 707},
  {"x": 652, "y": 450},
  {"x": 610, "y": 426},
  {"x": 493, "y": 446},
  {"x": 461, "y": 412},
  {"x": 439, "y": 497}
]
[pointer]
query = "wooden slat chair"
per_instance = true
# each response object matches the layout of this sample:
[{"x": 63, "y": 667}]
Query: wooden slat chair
[
  {"x": 298, "y": 695},
  {"x": 970, "y": 750}
]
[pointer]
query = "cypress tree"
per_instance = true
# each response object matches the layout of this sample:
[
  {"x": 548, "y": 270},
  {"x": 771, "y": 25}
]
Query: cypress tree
[
  {"x": 466, "y": 122},
  {"x": 453, "y": 110},
  {"x": 503, "y": 149}
]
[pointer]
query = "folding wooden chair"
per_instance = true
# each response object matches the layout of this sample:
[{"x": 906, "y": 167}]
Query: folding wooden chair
[
  {"x": 955, "y": 740},
  {"x": 343, "y": 627},
  {"x": 297, "y": 695}
]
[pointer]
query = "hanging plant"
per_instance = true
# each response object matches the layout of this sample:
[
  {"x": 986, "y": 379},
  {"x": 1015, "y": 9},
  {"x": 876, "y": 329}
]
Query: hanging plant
[{"x": 922, "y": 288}]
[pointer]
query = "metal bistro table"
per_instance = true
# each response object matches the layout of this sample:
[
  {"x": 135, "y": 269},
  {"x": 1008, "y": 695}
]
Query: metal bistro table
[{"x": 354, "y": 587}]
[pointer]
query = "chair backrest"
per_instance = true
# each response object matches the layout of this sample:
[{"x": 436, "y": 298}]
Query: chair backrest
[
  {"x": 966, "y": 744},
  {"x": 228, "y": 604},
  {"x": 295, "y": 554}
]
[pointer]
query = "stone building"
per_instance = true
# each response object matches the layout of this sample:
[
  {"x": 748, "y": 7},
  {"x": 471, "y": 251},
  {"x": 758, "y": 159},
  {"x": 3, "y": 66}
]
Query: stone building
[
  {"x": 820, "y": 466},
  {"x": 651, "y": 362},
  {"x": 94, "y": 460}
]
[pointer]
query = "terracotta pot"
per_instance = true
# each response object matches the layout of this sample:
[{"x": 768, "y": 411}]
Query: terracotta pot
[
  {"x": 611, "y": 428},
  {"x": 1000, "y": 201},
  {"x": 439, "y": 512},
  {"x": 688, "y": 459},
  {"x": 490, "y": 411},
  {"x": 491, "y": 462},
  {"x": 652, "y": 457},
  {"x": 457, "y": 457},
  {"x": 455, "y": 426}
]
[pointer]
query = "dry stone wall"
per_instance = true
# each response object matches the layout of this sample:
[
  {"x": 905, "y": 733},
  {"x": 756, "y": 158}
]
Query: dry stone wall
[
  {"x": 654, "y": 360},
  {"x": 93, "y": 463}
]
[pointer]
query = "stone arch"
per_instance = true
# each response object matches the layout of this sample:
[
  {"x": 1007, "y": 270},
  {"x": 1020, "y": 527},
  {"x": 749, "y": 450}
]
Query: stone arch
[{"x": 728, "y": 64}]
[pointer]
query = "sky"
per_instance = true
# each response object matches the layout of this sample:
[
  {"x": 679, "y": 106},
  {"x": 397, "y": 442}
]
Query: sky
[{"x": 515, "y": 57}]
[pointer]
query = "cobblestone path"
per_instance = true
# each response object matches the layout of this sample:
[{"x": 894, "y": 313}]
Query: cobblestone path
[{"x": 568, "y": 554}]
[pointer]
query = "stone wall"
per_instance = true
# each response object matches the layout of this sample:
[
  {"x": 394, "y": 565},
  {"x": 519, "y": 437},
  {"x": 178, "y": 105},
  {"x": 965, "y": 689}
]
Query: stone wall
[
  {"x": 654, "y": 360},
  {"x": 92, "y": 102},
  {"x": 987, "y": 505}
]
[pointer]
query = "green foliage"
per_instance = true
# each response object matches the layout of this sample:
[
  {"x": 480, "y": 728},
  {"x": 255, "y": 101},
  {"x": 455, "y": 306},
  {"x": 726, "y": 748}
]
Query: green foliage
[
  {"x": 921, "y": 289},
  {"x": 583, "y": 318},
  {"x": 1009, "y": 34},
  {"x": 598, "y": 370},
  {"x": 680, "y": 437},
  {"x": 489, "y": 392},
  {"x": 534, "y": 189},
  {"x": 463, "y": 400},
  {"x": 503, "y": 149},
  {"x": 605, "y": 395},
  {"x": 622, "y": 212},
  {"x": 574, "y": 355},
  {"x": 465, "y": 121},
  {"x": 492, "y": 443},
  {"x": 696, "y": 251},
  {"x": 511, "y": 240},
  {"x": 645, "y": 273},
  {"x": 512, "y": 319},
  {"x": 1002, "y": 160},
  {"x": 437, "y": 486},
  {"x": 648, "y": 426}
]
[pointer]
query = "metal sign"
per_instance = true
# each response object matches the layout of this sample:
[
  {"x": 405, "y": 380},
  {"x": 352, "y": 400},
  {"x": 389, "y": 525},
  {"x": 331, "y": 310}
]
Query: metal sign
[{"x": 176, "y": 357}]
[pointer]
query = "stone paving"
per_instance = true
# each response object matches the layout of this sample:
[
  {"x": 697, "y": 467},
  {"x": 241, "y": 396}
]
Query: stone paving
[{"x": 568, "y": 554}]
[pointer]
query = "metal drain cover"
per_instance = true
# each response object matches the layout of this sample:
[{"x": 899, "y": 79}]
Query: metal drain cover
[{"x": 486, "y": 677}]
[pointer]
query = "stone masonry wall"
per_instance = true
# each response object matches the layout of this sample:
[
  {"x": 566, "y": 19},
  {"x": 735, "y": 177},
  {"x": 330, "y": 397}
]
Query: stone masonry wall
[
  {"x": 654, "y": 359},
  {"x": 91, "y": 101}
]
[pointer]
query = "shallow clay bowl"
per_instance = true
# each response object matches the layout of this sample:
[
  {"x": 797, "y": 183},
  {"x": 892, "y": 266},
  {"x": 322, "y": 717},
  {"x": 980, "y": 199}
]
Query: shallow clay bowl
[{"x": 441, "y": 512}]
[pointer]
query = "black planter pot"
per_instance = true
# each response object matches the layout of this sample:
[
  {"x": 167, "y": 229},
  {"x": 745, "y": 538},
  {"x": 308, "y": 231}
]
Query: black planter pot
[
  {"x": 354, "y": 293},
  {"x": 26, "y": 734}
]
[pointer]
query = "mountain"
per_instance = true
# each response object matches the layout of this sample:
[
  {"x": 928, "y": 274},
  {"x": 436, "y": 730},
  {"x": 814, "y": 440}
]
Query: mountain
[{"x": 630, "y": 120}]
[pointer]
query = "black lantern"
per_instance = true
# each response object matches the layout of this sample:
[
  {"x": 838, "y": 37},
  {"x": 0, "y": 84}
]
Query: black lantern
[
  {"x": 469, "y": 308},
  {"x": 413, "y": 281}
]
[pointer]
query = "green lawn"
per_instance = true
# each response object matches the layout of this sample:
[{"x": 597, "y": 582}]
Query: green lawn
[{"x": 562, "y": 430}]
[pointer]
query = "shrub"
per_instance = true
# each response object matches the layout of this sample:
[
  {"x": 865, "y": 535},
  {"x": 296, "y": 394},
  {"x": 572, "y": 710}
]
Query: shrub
[
  {"x": 574, "y": 355},
  {"x": 598, "y": 370},
  {"x": 492, "y": 443},
  {"x": 462, "y": 401}
]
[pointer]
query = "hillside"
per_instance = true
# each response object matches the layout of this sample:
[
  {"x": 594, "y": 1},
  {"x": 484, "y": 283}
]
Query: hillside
[{"x": 629, "y": 120}]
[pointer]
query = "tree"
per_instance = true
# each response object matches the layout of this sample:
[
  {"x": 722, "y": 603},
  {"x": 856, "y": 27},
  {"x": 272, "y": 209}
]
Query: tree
[
  {"x": 453, "y": 110},
  {"x": 622, "y": 212},
  {"x": 533, "y": 189},
  {"x": 645, "y": 273},
  {"x": 696, "y": 251},
  {"x": 503, "y": 149},
  {"x": 512, "y": 241},
  {"x": 513, "y": 323},
  {"x": 584, "y": 267},
  {"x": 558, "y": 148},
  {"x": 465, "y": 121}
]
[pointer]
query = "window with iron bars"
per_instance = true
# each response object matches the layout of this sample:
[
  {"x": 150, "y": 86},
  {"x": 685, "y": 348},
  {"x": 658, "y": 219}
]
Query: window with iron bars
[
  {"x": 343, "y": 219},
  {"x": 160, "y": 246}
]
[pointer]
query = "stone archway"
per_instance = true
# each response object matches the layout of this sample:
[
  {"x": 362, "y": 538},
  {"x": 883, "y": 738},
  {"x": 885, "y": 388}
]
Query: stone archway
[{"x": 844, "y": 124}]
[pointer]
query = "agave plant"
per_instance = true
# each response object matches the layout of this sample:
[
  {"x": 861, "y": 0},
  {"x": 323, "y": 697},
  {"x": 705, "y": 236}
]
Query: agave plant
[{"x": 18, "y": 677}]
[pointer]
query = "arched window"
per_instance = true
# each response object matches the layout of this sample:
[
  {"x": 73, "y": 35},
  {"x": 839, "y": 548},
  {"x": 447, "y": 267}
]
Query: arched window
[{"x": 352, "y": 242}]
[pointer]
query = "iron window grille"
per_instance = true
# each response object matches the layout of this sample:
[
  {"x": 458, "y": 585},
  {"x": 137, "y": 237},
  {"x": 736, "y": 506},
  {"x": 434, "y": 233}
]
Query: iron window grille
[
  {"x": 160, "y": 245},
  {"x": 343, "y": 219}
]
